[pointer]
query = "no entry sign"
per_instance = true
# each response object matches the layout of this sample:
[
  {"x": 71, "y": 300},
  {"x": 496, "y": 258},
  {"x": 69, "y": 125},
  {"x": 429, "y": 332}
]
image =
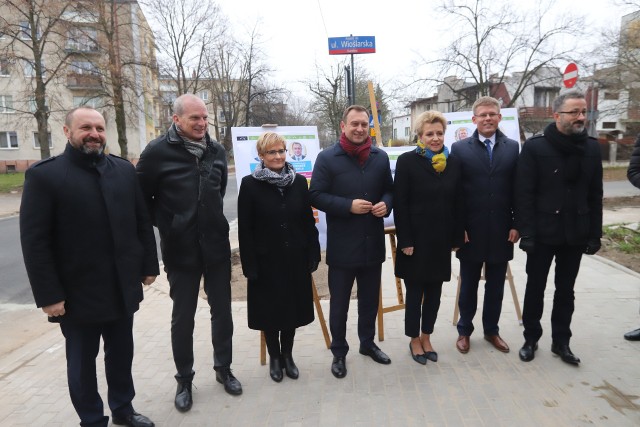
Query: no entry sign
[{"x": 570, "y": 76}]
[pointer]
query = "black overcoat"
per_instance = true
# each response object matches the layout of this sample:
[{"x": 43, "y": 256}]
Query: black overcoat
[
  {"x": 548, "y": 208},
  {"x": 633, "y": 173},
  {"x": 488, "y": 197},
  {"x": 352, "y": 240},
  {"x": 86, "y": 236},
  {"x": 185, "y": 199},
  {"x": 278, "y": 240},
  {"x": 428, "y": 214}
]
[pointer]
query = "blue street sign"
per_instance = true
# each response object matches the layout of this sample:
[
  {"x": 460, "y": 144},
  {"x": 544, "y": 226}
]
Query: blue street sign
[{"x": 352, "y": 44}]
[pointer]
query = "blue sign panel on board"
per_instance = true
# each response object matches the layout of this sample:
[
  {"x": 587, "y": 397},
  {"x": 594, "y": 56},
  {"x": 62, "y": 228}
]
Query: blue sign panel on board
[{"x": 352, "y": 44}]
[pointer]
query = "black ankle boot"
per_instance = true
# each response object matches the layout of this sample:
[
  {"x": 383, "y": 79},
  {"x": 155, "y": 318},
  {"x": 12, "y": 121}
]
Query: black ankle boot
[
  {"x": 275, "y": 368},
  {"x": 184, "y": 397},
  {"x": 290, "y": 367}
]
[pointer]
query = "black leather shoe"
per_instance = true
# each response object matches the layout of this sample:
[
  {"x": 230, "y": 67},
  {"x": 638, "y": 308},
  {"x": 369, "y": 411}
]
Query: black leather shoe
[
  {"x": 275, "y": 368},
  {"x": 633, "y": 335},
  {"x": 134, "y": 419},
  {"x": 565, "y": 353},
  {"x": 528, "y": 351},
  {"x": 376, "y": 354},
  {"x": 431, "y": 355},
  {"x": 231, "y": 383},
  {"x": 339, "y": 367},
  {"x": 290, "y": 367},
  {"x": 184, "y": 396}
]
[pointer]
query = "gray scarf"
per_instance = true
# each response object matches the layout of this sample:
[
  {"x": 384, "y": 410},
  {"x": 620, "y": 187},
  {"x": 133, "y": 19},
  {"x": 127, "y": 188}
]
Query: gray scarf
[
  {"x": 280, "y": 179},
  {"x": 195, "y": 147}
]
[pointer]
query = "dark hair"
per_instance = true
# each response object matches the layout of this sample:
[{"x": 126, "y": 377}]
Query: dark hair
[
  {"x": 69, "y": 117},
  {"x": 351, "y": 108},
  {"x": 560, "y": 100}
]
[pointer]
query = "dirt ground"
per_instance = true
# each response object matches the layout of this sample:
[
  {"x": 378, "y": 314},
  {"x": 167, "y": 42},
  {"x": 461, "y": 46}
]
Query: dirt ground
[{"x": 631, "y": 261}]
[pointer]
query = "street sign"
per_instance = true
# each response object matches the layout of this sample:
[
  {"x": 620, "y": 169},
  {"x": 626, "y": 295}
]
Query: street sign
[
  {"x": 570, "y": 76},
  {"x": 351, "y": 45}
]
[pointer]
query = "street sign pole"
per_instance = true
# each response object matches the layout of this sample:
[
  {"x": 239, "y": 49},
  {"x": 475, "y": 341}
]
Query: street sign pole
[{"x": 353, "y": 82}]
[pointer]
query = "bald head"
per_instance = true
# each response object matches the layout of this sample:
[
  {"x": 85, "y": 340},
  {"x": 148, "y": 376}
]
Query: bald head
[{"x": 190, "y": 115}]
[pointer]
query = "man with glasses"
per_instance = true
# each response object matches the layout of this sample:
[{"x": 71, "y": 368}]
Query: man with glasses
[
  {"x": 489, "y": 161},
  {"x": 352, "y": 184},
  {"x": 559, "y": 215},
  {"x": 184, "y": 178}
]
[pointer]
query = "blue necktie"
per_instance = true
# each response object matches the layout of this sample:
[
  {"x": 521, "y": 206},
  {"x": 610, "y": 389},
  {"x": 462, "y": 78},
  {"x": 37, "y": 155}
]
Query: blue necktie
[{"x": 487, "y": 142}]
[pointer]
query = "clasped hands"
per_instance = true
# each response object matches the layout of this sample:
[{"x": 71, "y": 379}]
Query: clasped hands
[{"x": 361, "y": 206}]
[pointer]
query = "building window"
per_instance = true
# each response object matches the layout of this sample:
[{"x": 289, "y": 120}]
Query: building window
[
  {"x": 88, "y": 101},
  {"x": 169, "y": 97},
  {"x": 32, "y": 104},
  {"x": 30, "y": 71},
  {"x": 608, "y": 125},
  {"x": 544, "y": 96},
  {"x": 6, "y": 104},
  {"x": 84, "y": 68},
  {"x": 395, "y": 133},
  {"x": 8, "y": 140},
  {"x": 226, "y": 97},
  {"x": 407, "y": 131},
  {"x": 4, "y": 67},
  {"x": 82, "y": 40},
  {"x": 204, "y": 95},
  {"x": 222, "y": 117},
  {"x": 25, "y": 31},
  {"x": 36, "y": 141}
]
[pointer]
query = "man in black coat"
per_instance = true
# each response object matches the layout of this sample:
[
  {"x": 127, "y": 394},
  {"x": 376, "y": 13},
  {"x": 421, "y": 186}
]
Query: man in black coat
[
  {"x": 88, "y": 244},
  {"x": 633, "y": 173},
  {"x": 559, "y": 215},
  {"x": 489, "y": 161},
  {"x": 184, "y": 178},
  {"x": 352, "y": 184}
]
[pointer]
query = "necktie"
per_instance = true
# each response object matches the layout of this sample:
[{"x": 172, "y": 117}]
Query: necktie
[{"x": 487, "y": 142}]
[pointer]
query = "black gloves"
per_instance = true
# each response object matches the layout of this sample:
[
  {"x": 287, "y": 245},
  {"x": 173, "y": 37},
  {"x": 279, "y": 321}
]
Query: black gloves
[
  {"x": 593, "y": 246},
  {"x": 313, "y": 266},
  {"x": 527, "y": 244}
]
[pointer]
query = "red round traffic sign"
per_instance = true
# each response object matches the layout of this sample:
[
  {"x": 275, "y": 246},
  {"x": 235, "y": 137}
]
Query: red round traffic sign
[{"x": 570, "y": 75}]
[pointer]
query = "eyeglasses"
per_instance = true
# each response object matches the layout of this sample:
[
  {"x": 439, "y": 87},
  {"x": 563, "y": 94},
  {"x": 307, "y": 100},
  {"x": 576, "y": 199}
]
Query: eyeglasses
[
  {"x": 274, "y": 152},
  {"x": 574, "y": 113},
  {"x": 487, "y": 115}
]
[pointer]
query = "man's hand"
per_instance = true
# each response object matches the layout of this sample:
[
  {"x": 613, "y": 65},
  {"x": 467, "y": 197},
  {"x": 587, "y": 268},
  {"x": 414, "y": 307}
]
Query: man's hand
[
  {"x": 147, "y": 280},
  {"x": 593, "y": 246},
  {"x": 360, "y": 206},
  {"x": 55, "y": 310},
  {"x": 466, "y": 237},
  {"x": 379, "y": 209},
  {"x": 527, "y": 244},
  {"x": 514, "y": 236},
  {"x": 407, "y": 251}
]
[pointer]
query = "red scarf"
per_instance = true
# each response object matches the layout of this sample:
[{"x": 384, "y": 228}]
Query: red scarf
[{"x": 358, "y": 151}]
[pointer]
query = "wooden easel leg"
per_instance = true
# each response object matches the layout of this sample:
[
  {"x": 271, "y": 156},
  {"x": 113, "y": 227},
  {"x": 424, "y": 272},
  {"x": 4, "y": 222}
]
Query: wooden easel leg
[
  {"x": 380, "y": 317},
  {"x": 323, "y": 323},
  {"x": 514, "y": 294},
  {"x": 263, "y": 349},
  {"x": 456, "y": 309}
]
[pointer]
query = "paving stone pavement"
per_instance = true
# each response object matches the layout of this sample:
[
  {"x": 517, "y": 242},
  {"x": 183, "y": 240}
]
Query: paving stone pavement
[{"x": 483, "y": 387}]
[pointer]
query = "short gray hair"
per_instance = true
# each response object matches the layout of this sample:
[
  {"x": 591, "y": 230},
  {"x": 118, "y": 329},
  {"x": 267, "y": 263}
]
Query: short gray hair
[
  {"x": 178, "y": 104},
  {"x": 560, "y": 100}
]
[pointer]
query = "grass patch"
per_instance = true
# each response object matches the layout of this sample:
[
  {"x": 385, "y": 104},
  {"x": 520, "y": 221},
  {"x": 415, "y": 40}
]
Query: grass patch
[
  {"x": 11, "y": 182},
  {"x": 622, "y": 238}
]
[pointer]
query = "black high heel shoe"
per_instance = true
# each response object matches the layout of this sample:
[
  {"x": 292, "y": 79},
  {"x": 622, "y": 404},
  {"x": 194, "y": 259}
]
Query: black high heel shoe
[{"x": 290, "y": 367}]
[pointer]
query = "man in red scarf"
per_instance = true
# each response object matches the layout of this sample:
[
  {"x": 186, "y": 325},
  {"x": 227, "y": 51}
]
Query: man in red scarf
[{"x": 352, "y": 184}]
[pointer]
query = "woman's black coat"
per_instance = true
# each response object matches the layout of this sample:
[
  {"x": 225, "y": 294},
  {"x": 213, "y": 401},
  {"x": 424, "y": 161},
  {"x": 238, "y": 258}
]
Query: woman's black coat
[
  {"x": 278, "y": 241},
  {"x": 428, "y": 214}
]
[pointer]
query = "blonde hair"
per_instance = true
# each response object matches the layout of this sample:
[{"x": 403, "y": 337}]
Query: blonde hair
[
  {"x": 430, "y": 116},
  {"x": 487, "y": 101},
  {"x": 267, "y": 140}
]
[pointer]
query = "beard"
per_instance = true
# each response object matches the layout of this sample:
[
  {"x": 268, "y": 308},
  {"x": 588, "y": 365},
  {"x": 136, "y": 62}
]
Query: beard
[{"x": 96, "y": 151}]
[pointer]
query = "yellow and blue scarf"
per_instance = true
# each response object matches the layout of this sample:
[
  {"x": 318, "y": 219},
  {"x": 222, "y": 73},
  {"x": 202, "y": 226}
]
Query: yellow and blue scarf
[{"x": 438, "y": 160}]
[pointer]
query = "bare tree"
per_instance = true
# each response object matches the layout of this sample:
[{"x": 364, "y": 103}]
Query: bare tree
[
  {"x": 329, "y": 101},
  {"x": 184, "y": 30},
  {"x": 494, "y": 40},
  {"x": 35, "y": 29}
]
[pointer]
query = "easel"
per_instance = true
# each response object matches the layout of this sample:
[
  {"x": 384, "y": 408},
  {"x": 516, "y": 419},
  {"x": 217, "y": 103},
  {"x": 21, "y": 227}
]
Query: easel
[
  {"x": 323, "y": 325},
  {"x": 514, "y": 295},
  {"x": 391, "y": 232}
]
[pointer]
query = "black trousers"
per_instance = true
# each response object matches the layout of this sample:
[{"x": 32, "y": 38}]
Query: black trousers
[
  {"x": 185, "y": 285},
  {"x": 279, "y": 342},
  {"x": 82, "y": 342},
  {"x": 421, "y": 307},
  {"x": 538, "y": 264},
  {"x": 340, "y": 285},
  {"x": 470, "y": 272}
]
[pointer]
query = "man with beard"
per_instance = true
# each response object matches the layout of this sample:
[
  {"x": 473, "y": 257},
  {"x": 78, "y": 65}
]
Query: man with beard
[
  {"x": 559, "y": 215},
  {"x": 352, "y": 184},
  {"x": 184, "y": 178},
  {"x": 88, "y": 244}
]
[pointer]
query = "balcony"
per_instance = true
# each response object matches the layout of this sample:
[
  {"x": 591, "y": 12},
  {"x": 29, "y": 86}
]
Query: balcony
[
  {"x": 83, "y": 81},
  {"x": 535, "y": 113}
]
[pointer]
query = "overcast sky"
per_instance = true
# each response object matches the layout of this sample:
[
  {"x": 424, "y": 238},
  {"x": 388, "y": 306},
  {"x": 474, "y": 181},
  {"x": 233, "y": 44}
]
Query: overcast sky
[{"x": 295, "y": 32}]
